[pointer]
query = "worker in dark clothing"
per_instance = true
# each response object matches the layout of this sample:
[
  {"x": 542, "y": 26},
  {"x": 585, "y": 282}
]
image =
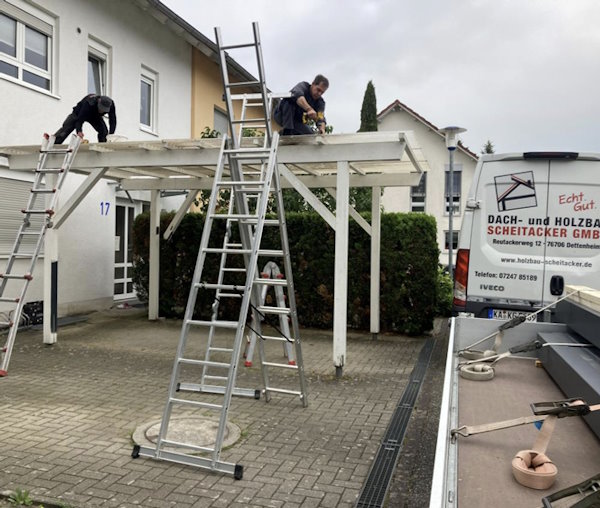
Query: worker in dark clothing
[
  {"x": 91, "y": 109},
  {"x": 306, "y": 103}
]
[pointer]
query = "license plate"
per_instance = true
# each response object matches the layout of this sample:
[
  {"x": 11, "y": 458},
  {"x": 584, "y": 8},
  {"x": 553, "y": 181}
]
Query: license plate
[{"x": 510, "y": 314}]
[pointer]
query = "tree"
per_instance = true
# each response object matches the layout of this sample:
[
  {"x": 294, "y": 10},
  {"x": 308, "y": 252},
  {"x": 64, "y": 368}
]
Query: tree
[
  {"x": 361, "y": 197},
  {"x": 368, "y": 112},
  {"x": 488, "y": 147}
]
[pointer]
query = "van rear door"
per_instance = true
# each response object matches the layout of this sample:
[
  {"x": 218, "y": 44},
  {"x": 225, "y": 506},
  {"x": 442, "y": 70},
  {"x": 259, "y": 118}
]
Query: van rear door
[
  {"x": 508, "y": 234},
  {"x": 573, "y": 249}
]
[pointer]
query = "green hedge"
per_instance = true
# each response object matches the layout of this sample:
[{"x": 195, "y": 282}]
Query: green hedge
[{"x": 409, "y": 269}]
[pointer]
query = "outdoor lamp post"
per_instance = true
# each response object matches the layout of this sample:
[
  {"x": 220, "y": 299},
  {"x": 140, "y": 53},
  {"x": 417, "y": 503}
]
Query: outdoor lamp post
[{"x": 451, "y": 134}]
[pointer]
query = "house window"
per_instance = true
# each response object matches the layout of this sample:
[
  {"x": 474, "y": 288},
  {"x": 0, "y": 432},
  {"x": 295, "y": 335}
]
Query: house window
[
  {"x": 98, "y": 65},
  {"x": 456, "y": 185},
  {"x": 148, "y": 95},
  {"x": 26, "y": 46},
  {"x": 417, "y": 195},
  {"x": 96, "y": 68},
  {"x": 221, "y": 122},
  {"x": 454, "y": 239}
]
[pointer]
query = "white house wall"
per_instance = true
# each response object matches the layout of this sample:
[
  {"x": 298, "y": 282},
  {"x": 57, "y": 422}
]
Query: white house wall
[
  {"x": 134, "y": 40},
  {"x": 397, "y": 199}
]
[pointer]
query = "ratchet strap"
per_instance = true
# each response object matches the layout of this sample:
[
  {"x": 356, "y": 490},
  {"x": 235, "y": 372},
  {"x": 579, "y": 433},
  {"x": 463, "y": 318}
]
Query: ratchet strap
[{"x": 533, "y": 468}]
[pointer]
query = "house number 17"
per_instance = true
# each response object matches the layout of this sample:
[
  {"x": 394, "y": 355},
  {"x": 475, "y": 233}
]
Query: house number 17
[{"x": 104, "y": 207}]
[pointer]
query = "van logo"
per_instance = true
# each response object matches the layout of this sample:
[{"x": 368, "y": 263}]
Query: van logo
[
  {"x": 515, "y": 191},
  {"x": 491, "y": 287}
]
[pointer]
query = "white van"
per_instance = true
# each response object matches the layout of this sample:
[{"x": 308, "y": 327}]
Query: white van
[{"x": 531, "y": 226}]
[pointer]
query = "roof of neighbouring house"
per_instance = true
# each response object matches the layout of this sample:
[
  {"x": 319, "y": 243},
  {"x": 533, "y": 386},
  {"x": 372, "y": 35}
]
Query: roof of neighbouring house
[{"x": 397, "y": 105}]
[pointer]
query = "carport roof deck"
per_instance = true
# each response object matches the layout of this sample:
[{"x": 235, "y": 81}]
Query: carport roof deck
[{"x": 387, "y": 158}]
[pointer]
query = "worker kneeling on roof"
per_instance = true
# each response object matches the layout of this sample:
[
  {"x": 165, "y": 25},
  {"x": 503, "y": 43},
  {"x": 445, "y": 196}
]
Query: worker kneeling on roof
[
  {"x": 91, "y": 109},
  {"x": 306, "y": 103}
]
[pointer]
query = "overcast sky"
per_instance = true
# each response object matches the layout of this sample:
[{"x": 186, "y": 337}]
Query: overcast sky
[{"x": 524, "y": 74}]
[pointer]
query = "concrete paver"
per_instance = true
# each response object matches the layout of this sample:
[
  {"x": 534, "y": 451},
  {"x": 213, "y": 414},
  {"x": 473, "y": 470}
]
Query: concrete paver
[{"x": 69, "y": 411}]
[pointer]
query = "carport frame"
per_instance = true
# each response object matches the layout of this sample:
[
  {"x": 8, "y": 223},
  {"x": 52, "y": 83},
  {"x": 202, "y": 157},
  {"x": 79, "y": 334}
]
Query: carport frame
[{"x": 336, "y": 162}]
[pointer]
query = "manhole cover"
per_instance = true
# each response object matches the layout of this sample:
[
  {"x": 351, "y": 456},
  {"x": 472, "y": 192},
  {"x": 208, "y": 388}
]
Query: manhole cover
[{"x": 195, "y": 430}]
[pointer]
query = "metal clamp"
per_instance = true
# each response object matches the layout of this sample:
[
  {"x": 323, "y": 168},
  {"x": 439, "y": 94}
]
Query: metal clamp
[
  {"x": 529, "y": 346},
  {"x": 589, "y": 488},
  {"x": 561, "y": 408}
]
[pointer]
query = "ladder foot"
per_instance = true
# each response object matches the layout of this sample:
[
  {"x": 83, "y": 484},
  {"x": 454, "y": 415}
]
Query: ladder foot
[
  {"x": 3, "y": 373},
  {"x": 247, "y": 364},
  {"x": 257, "y": 394},
  {"x": 292, "y": 362},
  {"x": 238, "y": 472},
  {"x": 135, "y": 452}
]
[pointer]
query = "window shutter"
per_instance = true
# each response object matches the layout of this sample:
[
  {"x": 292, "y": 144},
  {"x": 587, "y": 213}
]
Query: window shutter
[{"x": 14, "y": 195}]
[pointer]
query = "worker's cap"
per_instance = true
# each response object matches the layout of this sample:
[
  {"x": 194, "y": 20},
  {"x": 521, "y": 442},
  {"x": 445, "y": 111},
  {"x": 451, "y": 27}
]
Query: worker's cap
[{"x": 104, "y": 104}]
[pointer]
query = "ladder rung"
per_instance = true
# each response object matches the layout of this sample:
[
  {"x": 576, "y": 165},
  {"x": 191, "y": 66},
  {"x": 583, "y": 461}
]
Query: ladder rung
[
  {"x": 234, "y": 270},
  {"x": 251, "y": 96},
  {"x": 249, "y": 183},
  {"x": 196, "y": 403},
  {"x": 271, "y": 282},
  {"x": 237, "y": 151},
  {"x": 9, "y": 299},
  {"x": 274, "y": 253},
  {"x": 216, "y": 378},
  {"x": 187, "y": 445},
  {"x": 221, "y": 349},
  {"x": 279, "y": 339},
  {"x": 26, "y": 276},
  {"x": 218, "y": 324},
  {"x": 208, "y": 363},
  {"x": 266, "y": 309},
  {"x": 232, "y": 216},
  {"x": 50, "y": 170},
  {"x": 56, "y": 150},
  {"x": 30, "y": 233},
  {"x": 230, "y": 295},
  {"x": 43, "y": 191},
  {"x": 238, "y": 46},
  {"x": 243, "y": 83},
  {"x": 251, "y": 120},
  {"x": 266, "y": 253},
  {"x": 282, "y": 390},
  {"x": 215, "y": 250},
  {"x": 228, "y": 287},
  {"x": 23, "y": 255},
  {"x": 48, "y": 211},
  {"x": 6, "y": 323},
  {"x": 267, "y": 222}
]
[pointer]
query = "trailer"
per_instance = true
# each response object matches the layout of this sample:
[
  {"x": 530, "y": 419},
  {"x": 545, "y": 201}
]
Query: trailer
[{"x": 519, "y": 391}]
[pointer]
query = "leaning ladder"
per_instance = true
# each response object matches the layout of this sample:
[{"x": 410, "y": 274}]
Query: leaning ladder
[
  {"x": 30, "y": 237},
  {"x": 248, "y": 183}
]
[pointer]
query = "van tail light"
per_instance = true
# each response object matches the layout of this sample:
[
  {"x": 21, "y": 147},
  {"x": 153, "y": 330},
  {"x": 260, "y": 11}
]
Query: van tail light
[{"x": 461, "y": 276}]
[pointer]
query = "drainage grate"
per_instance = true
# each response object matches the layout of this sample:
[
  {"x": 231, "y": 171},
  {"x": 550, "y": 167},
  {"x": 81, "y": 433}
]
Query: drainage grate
[{"x": 382, "y": 469}]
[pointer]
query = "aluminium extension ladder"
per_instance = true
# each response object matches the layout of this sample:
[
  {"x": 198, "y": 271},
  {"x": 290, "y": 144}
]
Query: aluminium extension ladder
[
  {"x": 251, "y": 183},
  {"x": 42, "y": 201}
]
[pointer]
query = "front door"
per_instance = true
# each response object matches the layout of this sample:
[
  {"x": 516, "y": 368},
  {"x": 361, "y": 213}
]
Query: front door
[{"x": 124, "y": 251}]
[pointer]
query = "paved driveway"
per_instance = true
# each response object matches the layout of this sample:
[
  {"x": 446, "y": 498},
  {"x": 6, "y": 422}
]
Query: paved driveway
[{"x": 68, "y": 412}]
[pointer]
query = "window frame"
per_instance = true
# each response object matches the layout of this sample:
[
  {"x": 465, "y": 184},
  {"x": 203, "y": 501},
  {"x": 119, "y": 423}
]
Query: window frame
[
  {"x": 220, "y": 119},
  {"x": 457, "y": 189},
  {"x": 150, "y": 77},
  {"x": 455, "y": 234},
  {"x": 100, "y": 52},
  {"x": 27, "y": 18},
  {"x": 419, "y": 191}
]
